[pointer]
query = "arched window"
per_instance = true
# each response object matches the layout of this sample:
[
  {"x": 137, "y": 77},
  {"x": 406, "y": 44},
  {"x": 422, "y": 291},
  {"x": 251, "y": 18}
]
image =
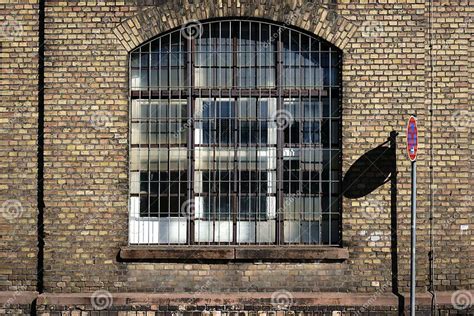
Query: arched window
[{"x": 235, "y": 136}]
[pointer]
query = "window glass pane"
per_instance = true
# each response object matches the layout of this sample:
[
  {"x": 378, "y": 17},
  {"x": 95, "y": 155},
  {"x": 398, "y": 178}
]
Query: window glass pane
[
  {"x": 302, "y": 232},
  {"x": 311, "y": 132},
  {"x": 261, "y": 159},
  {"x": 301, "y": 170},
  {"x": 334, "y": 133},
  {"x": 246, "y": 77},
  {"x": 253, "y": 207},
  {"x": 292, "y": 133},
  {"x": 163, "y": 77},
  {"x": 255, "y": 56},
  {"x": 135, "y": 60},
  {"x": 312, "y": 109},
  {"x": 304, "y": 208},
  {"x": 159, "y": 109},
  {"x": 330, "y": 233},
  {"x": 253, "y": 182},
  {"x": 210, "y": 158},
  {"x": 292, "y": 106},
  {"x": 253, "y": 132},
  {"x": 135, "y": 78},
  {"x": 217, "y": 207},
  {"x": 144, "y": 60},
  {"x": 214, "y": 181},
  {"x": 251, "y": 231},
  {"x": 163, "y": 206},
  {"x": 213, "y": 57},
  {"x": 135, "y": 183},
  {"x": 158, "y": 159},
  {"x": 331, "y": 161},
  {"x": 213, "y": 231},
  {"x": 266, "y": 77},
  {"x": 217, "y": 124}
]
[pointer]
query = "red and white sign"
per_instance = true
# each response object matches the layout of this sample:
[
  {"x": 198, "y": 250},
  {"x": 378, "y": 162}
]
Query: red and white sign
[{"x": 412, "y": 138}]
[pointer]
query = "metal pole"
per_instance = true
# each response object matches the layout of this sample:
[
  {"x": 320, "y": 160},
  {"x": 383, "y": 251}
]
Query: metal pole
[{"x": 413, "y": 238}]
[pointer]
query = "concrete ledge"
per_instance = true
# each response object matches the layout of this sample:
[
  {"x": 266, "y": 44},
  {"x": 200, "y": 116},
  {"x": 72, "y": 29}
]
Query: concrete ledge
[
  {"x": 17, "y": 297},
  {"x": 243, "y": 301},
  {"x": 244, "y": 253},
  {"x": 444, "y": 298},
  {"x": 220, "y": 299},
  {"x": 176, "y": 253},
  {"x": 292, "y": 253}
]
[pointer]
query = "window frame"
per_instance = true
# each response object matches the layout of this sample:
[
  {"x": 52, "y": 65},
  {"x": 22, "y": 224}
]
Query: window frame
[{"x": 192, "y": 93}]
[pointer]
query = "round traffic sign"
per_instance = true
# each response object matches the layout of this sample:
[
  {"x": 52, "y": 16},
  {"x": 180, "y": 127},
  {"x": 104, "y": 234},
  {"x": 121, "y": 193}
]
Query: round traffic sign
[{"x": 412, "y": 138}]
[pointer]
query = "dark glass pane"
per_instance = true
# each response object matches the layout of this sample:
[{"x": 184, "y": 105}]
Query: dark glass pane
[
  {"x": 311, "y": 132},
  {"x": 330, "y": 204},
  {"x": 218, "y": 131},
  {"x": 218, "y": 207},
  {"x": 164, "y": 206},
  {"x": 217, "y": 181},
  {"x": 291, "y": 176},
  {"x": 164, "y": 182},
  {"x": 332, "y": 161},
  {"x": 291, "y": 164},
  {"x": 154, "y": 78},
  {"x": 253, "y": 182},
  {"x": 330, "y": 229},
  {"x": 144, "y": 78},
  {"x": 311, "y": 184},
  {"x": 220, "y": 109},
  {"x": 325, "y": 134},
  {"x": 292, "y": 133},
  {"x": 312, "y": 109},
  {"x": 135, "y": 61},
  {"x": 253, "y": 207},
  {"x": 310, "y": 232},
  {"x": 163, "y": 60},
  {"x": 144, "y": 60},
  {"x": 335, "y": 133},
  {"x": 168, "y": 206},
  {"x": 163, "y": 77},
  {"x": 253, "y": 132}
]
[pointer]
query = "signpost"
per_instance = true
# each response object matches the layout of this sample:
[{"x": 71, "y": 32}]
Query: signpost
[
  {"x": 412, "y": 139},
  {"x": 412, "y": 149}
]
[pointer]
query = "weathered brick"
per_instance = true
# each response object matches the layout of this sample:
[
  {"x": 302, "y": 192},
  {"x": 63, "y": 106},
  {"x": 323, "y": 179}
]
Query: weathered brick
[{"x": 387, "y": 75}]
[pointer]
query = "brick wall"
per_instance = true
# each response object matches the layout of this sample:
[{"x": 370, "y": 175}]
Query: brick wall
[
  {"x": 453, "y": 28},
  {"x": 18, "y": 149},
  {"x": 386, "y": 77},
  {"x": 384, "y": 84},
  {"x": 85, "y": 153}
]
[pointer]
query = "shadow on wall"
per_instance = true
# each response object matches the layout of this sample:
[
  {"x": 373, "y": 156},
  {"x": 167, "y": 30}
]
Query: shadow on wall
[{"x": 372, "y": 170}]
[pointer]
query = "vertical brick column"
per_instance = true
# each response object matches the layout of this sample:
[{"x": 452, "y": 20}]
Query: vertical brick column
[
  {"x": 18, "y": 147},
  {"x": 453, "y": 121}
]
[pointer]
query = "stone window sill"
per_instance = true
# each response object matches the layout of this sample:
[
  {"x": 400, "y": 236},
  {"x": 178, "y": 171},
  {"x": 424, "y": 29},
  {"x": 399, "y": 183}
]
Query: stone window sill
[{"x": 233, "y": 253}]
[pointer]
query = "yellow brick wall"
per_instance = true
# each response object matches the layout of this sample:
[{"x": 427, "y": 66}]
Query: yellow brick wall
[
  {"x": 18, "y": 147},
  {"x": 386, "y": 77}
]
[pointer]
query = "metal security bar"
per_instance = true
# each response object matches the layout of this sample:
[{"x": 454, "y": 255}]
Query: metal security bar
[{"x": 235, "y": 137}]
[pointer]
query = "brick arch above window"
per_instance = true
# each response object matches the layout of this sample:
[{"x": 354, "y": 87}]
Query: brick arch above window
[{"x": 312, "y": 16}]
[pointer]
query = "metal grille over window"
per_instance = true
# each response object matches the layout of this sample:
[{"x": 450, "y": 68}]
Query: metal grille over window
[{"x": 235, "y": 137}]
